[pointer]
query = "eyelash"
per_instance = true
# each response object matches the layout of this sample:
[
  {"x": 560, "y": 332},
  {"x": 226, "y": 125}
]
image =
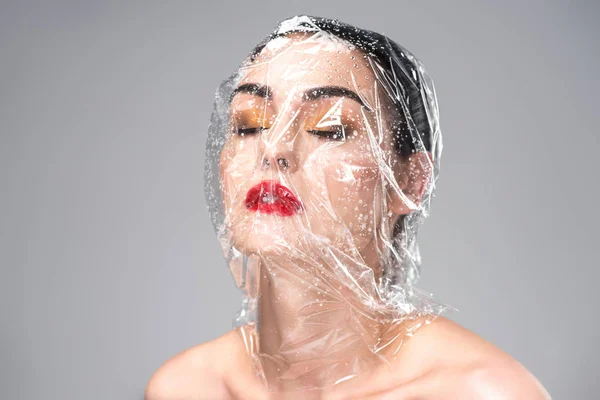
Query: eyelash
[
  {"x": 337, "y": 134},
  {"x": 249, "y": 131},
  {"x": 331, "y": 135}
]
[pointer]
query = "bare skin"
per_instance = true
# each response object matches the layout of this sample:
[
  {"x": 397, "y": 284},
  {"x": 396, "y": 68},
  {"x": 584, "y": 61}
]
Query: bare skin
[{"x": 442, "y": 360}]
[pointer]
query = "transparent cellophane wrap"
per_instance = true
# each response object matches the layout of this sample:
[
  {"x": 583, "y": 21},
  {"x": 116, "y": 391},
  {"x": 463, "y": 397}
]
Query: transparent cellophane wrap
[{"x": 321, "y": 161}]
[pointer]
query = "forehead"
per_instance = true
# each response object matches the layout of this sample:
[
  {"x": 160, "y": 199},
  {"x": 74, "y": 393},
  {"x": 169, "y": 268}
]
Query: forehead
[{"x": 293, "y": 63}]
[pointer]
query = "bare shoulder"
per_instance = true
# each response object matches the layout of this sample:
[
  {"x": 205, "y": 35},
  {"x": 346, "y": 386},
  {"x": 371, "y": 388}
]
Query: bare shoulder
[
  {"x": 463, "y": 362},
  {"x": 443, "y": 360},
  {"x": 196, "y": 373}
]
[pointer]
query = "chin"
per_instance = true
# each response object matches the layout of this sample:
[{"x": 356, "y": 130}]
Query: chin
[
  {"x": 276, "y": 237},
  {"x": 266, "y": 235}
]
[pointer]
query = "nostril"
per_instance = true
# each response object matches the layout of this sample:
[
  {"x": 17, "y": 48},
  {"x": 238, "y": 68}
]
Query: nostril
[
  {"x": 281, "y": 162},
  {"x": 284, "y": 163}
]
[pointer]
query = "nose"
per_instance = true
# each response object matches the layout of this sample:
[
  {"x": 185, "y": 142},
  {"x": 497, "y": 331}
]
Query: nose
[{"x": 278, "y": 156}]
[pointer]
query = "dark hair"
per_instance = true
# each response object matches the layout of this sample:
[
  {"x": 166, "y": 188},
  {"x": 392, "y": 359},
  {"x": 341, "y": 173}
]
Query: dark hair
[{"x": 397, "y": 63}]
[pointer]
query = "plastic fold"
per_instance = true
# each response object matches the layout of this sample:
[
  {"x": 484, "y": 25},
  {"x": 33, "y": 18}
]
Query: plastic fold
[{"x": 321, "y": 161}]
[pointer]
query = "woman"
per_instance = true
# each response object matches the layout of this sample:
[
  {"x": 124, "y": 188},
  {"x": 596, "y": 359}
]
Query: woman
[{"x": 322, "y": 158}]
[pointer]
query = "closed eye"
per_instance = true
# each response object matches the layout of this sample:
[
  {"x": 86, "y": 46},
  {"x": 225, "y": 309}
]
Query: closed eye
[
  {"x": 249, "y": 131},
  {"x": 332, "y": 134}
]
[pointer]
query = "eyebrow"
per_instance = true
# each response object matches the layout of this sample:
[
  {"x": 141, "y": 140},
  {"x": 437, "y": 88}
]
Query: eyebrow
[
  {"x": 310, "y": 94},
  {"x": 332, "y": 91},
  {"x": 253, "y": 89}
]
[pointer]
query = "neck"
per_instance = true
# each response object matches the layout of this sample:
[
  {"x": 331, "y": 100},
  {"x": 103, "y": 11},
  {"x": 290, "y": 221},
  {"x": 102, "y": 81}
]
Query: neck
[{"x": 316, "y": 325}]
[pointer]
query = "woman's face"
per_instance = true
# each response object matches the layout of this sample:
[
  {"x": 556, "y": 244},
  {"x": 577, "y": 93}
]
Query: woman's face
[{"x": 308, "y": 153}]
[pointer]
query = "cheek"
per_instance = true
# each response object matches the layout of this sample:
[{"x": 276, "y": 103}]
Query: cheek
[
  {"x": 235, "y": 167},
  {"x": 351, "y": 185}
]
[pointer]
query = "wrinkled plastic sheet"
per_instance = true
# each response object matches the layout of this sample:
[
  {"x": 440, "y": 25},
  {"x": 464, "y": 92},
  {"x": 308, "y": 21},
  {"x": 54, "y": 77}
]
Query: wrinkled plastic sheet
[{"x": 321, "y": 161}]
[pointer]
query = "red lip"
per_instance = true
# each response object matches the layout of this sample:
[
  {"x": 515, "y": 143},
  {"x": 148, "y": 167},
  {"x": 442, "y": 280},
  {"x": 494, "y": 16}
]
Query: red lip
[{"x": 270, "y": 197}]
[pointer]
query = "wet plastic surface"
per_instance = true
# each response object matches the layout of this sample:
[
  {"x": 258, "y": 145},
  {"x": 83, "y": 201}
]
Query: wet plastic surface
[{"x": 321, "y": 161}]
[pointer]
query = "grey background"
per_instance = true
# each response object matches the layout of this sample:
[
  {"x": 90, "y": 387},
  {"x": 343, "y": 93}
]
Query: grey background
[{"x": 108, "y": 260}]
